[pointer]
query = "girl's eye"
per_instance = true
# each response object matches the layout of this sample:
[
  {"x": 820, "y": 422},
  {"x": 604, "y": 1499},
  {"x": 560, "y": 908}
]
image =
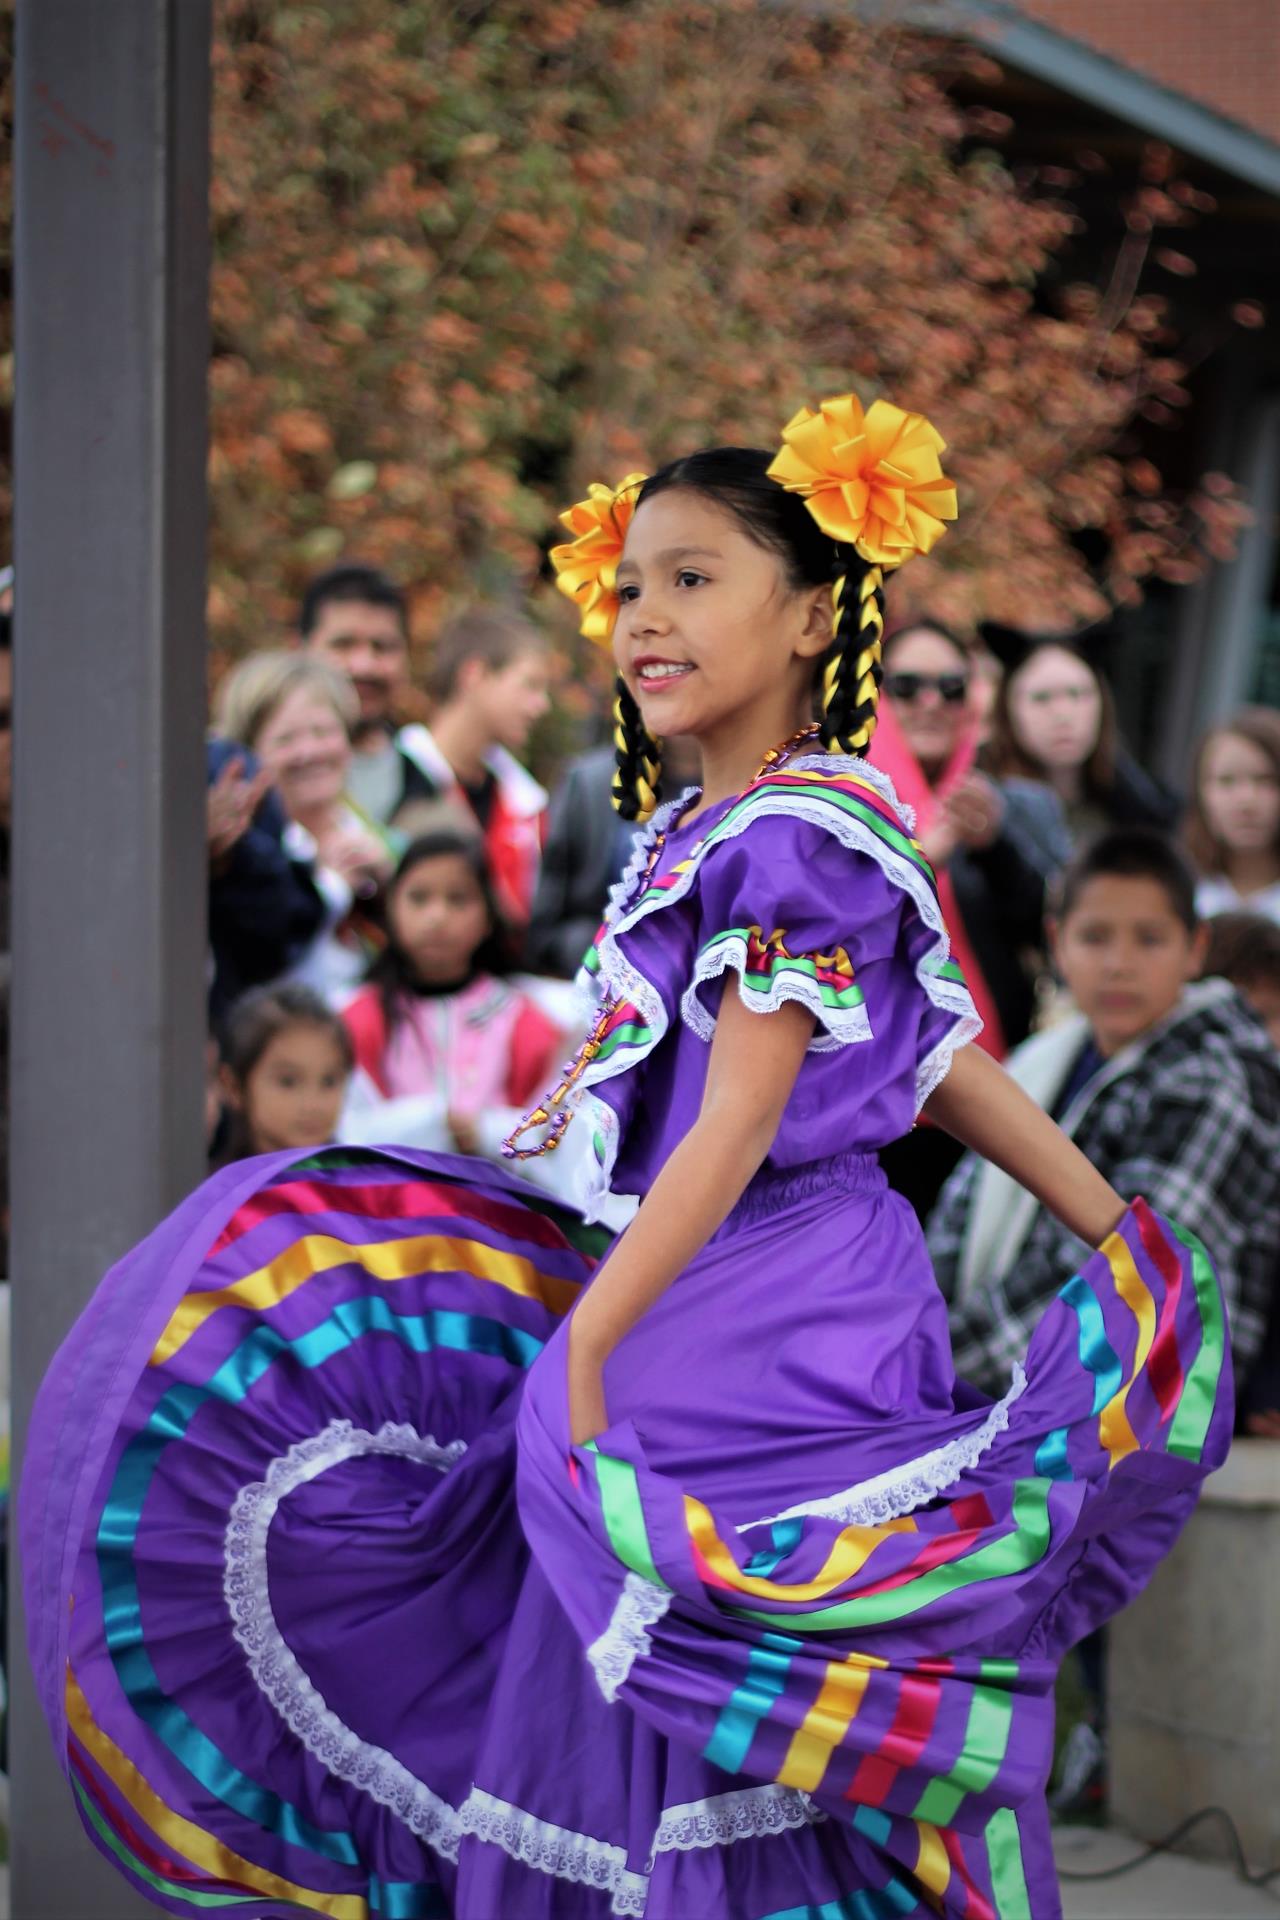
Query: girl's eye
[
  {"x": 687, "y": 577},
  {"x": 627, "y": 594}
]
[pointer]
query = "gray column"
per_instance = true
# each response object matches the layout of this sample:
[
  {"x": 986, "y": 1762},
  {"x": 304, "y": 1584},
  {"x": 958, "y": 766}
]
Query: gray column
[{"x": 109, "y": 938}]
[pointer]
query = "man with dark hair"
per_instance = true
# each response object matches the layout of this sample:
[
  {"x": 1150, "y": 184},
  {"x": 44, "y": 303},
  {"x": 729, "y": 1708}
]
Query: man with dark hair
[
  {"x": 1168, "y": 1083},
  {"x": 356, "y": 618}
]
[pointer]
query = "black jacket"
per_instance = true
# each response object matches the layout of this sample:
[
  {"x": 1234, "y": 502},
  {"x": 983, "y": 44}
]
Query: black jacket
[{"x": 263, "y": 909}]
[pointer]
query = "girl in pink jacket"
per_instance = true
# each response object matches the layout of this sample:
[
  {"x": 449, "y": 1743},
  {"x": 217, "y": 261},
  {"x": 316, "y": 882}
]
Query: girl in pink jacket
[{"x": 446, "y": 1050}]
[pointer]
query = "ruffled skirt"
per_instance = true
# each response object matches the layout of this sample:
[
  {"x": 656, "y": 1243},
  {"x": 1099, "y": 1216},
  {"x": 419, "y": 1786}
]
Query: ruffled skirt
[{"x": 328, "y": 1616}]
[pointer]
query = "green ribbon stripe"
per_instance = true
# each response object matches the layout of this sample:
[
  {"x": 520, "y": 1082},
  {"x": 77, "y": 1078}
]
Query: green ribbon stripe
[
  {"x": 1012, "y": 1554},
  {"x": 624, "y": 1515},
  {"x": 986, "y": 1740},
  {"x": 1004, "y": 1857},
  {"x": 632, "y": 1034},
  {"x": 168, "y": 1888},
  {"x": 1200, "y": 1387},
  {"x": 753, "y": 802},
  {"x": 762, "y": 981}
]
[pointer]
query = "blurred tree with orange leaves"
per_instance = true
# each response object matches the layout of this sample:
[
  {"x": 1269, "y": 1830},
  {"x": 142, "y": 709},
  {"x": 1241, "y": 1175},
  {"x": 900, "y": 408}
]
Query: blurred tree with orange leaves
[{"x": 470, "y": 254}]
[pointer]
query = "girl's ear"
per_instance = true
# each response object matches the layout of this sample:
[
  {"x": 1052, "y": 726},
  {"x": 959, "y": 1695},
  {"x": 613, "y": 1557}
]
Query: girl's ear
[
  {"x": 229, "y": 1087},
  {"x": 818, "y": 623}
]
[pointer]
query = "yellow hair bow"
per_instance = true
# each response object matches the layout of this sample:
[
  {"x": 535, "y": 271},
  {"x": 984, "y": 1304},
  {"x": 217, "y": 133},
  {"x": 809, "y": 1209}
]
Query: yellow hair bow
[
  {"x": 587, "y": 566},
  {"x": 872, "y": 481}
]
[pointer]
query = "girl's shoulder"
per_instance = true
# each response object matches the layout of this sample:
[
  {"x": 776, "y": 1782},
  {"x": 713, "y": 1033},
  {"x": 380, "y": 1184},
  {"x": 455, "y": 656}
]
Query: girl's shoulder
[{"x": 828, "y": 812}]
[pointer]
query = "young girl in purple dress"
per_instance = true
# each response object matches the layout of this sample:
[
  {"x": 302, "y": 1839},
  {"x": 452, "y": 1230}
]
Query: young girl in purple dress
[{"x": 422, "y": 1564}]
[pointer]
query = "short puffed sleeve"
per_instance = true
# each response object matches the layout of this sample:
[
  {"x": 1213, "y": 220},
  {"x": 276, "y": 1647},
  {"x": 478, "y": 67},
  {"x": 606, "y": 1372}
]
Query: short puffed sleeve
[{"x": 847, "y": 922}]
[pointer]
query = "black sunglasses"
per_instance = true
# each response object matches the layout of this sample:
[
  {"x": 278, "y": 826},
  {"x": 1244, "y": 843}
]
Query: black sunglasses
[{"x": 951, "y": 688}]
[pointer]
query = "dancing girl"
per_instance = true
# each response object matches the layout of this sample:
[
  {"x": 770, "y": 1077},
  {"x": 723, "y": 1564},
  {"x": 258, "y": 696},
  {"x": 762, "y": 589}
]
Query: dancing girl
[{"x": 397, "y": 1546}]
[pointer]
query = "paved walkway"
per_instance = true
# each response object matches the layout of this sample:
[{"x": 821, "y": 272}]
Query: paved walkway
[{"x": 1167, "y": 1887}]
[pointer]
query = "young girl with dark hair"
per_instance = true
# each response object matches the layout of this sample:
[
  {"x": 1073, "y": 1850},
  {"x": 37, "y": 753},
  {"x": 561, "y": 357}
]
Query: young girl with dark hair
[
  {"x": 422, "y": 1564},
  {"x": 286, "y": 1060},
  {"x": 447, "y": 1053},
  {"x": 1233, "y": 831}
]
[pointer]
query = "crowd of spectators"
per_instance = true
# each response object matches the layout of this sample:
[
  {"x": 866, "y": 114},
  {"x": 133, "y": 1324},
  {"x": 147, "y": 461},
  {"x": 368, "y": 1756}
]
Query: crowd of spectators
[{"x": 396, "y": 909}]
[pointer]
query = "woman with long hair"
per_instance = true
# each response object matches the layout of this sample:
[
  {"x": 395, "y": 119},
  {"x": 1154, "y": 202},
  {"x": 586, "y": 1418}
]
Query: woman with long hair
[
  {"x": 1233, "y": 829},
  {"x": 1054, "y": 723}
]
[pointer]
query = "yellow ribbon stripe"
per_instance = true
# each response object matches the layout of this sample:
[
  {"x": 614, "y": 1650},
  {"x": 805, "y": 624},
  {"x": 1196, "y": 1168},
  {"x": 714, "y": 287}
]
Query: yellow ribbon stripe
[
  {"x": 382, "y": 1260},
  {"x": 182, "y": 1837},
  {"x": 849, "y": 1554},
  {"x": 933, "y": 1865},
  {"x": 827, "y": 1721},
  {"x": 1114, "y": 1429}
]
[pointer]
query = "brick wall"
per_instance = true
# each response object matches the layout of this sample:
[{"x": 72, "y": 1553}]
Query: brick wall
[{"x": 1223, "y": 53}]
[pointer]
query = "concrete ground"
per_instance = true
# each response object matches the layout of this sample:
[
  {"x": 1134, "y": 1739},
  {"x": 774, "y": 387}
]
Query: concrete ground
[{"x": 1169, "y": 1886}]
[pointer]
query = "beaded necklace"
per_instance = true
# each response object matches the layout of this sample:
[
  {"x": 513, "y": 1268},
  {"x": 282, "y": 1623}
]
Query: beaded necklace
[{"x": 543, "y": 1115}]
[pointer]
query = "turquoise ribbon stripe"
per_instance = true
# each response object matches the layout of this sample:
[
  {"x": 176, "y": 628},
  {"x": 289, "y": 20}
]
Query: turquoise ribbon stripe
[
  {"x": 1098, "y": 1357},
  {"x": 121, "y": 1518},
  {"x": 766, "y": 1677}
]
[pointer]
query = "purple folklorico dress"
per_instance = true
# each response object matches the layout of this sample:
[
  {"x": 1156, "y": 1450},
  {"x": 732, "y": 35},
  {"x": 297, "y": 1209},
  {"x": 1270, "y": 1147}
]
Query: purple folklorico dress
[{"x": 329, "y": 1617}]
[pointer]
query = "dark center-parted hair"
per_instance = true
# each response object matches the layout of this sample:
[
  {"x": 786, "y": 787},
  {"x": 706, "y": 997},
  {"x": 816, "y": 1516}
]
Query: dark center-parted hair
[
  {"x": 257, "y": 1018},
  {"x": 490, "y": 635},
  {"x": 1260, "y": 726},
  {"x": 1008, "y": 759},
  {"x": 848, "y": 676},
  {"x": 264, "y": 1012},
  {"x": 351, "y": 583},
  {"x": 1243, "y": 948},
  {"x": 1132, "y": 853},
  {"x": 392, "y": 972}
]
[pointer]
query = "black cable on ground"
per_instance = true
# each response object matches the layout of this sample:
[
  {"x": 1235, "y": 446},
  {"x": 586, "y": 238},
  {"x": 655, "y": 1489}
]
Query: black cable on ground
[{"x": 1170, "y": 1841}]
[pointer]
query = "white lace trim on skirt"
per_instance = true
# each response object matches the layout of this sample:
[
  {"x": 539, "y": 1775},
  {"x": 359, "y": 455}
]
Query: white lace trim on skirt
[
  {"x": 639, "y": 1606},
  {"x": 750, "y": 1813},
  {"x": 902, "y": 1489},
  {"x": 278, "y": 1674}
]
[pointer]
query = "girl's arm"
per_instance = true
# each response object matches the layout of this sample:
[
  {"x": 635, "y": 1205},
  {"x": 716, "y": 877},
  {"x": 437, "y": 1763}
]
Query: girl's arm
[
  {"x": 752, "y": 1070},
  {"x": 979, "y": 1105}
]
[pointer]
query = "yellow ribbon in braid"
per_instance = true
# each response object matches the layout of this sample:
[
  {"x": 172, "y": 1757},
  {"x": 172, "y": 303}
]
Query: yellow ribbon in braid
[{"x": 635, "y": 754}]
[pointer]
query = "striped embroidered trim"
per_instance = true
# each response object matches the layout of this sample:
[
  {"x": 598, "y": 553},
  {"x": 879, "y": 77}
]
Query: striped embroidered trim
[
  {"x": 823, "y": 983},
  {"x": 613, "y": 976}
]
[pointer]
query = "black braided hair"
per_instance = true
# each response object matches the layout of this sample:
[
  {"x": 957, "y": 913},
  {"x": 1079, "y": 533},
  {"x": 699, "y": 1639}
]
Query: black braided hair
[
  {"x": 852, "y": 670},
  {"x": 847, "y": 692},
  {"x": 637, "y": 777}
]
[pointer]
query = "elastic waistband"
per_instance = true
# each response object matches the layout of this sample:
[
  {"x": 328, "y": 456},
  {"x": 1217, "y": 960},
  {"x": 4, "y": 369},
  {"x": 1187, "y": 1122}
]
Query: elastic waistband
[{"x": 776, "y": 1188}]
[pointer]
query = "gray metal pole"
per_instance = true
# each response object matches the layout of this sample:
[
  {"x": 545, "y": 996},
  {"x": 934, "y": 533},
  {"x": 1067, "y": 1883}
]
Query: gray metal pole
[{"x": 109, "y": 939}]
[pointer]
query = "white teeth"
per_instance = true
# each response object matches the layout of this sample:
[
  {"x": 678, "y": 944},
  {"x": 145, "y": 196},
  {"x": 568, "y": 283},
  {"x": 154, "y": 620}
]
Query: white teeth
[{"x": 664, "y": 672}]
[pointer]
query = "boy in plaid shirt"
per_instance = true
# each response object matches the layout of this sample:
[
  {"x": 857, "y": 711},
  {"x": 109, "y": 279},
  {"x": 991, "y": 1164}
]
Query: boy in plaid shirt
[{"x": 1169, "y": 1084}]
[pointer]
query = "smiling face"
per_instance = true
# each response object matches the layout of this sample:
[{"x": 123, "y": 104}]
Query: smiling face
[
  {"x": 303, "y": 745},
  {"x": 930, "y": 670},
  {"x": 710, "y": 638},
  {"x": 368, "y": 643}
]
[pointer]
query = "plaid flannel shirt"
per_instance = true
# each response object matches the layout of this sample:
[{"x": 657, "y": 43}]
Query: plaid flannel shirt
[{"x": 1193, "y": 1127}]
